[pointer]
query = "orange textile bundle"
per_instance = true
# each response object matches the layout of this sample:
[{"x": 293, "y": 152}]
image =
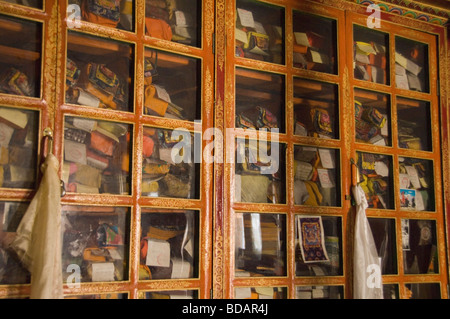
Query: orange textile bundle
[{"x": 104, "y": 12}]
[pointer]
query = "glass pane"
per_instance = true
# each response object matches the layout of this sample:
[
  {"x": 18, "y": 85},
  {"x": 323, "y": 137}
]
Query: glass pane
[
  {"x": 169, "y": 244},
  {"x": 172, "y": 85},
  {"x": 411, "y": 65},
  {"x": 95, "y": 244},
  {"x": 390, "y": 291},
  {"x": 259, "y": 31},
  {"x": 371, "y": 55},
  {"x": 419, "y": 244},
  {"x": 169, "y": 168},
  {"x": 178, "y": 21},
  {"x": 171, "y": 294},
  {"x": 260, "y": 102},
  {"x": 416, "y": 184},
  {"x": 315, "y": 43},
  {"x": 383, "y": 231},
  {"x": 372, "y": 118},
  {"x": 414, "y": 124},
  {"x": 11, "y": 270},
  {"x": 18, "y": 147},
  {"x": 96, "y": 156},
  {"x": 319, "y": 292},
  {"x": 315, "y": 109},
  {"x": 20, "y": 61},
  {"x": 259, "y": 293},
  {"x": 424, "y": 291},
  {"x": 318, "y": 246},
  {"x": 316, "y": 177},
  {"x": 99, "y": 72},
  {"x": 113, "y": 13},
  {"x": 375, "y": 178},
  {"x": 260, "y": 245},
  {"x": 30, "y": 3},
  {"x": 260, "y": 172}
]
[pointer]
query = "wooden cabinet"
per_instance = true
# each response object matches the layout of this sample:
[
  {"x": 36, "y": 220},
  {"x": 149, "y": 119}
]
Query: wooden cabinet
[{"x": 201, "y": 142}]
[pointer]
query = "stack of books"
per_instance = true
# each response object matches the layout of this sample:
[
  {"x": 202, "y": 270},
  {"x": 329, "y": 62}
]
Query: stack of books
[
  {"x": 95, "y": 156},
  {"x": 18, "y": 148},
  {"x": 370, "y": 62}
]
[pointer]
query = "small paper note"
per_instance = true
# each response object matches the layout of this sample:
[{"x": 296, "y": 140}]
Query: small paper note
[
  {"x": 246, "y": 18},
  {"x": 75, "y": 152},
  {"x": 326, "y": 158},
  {"x": 413, "y": 177},
  {"x": 158, "y": 253},
  {"x": 325, "y": 178},
  {"x": 102, "y": 272}
]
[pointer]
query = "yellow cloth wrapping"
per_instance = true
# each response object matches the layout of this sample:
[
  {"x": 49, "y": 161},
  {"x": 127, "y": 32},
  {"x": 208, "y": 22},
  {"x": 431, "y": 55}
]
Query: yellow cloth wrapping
[{"x": 38, "y": 240}]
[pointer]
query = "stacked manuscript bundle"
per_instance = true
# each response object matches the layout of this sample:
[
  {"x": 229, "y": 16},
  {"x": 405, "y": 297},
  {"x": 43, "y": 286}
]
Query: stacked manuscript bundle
[
  {"x": 370, "y": 62},
  {"x": 95, "y": 156},
  {"x": 310, "y": 52},
  {"x": 314, "y": 176},
  {"x": 18, "y": 148},
  {"x": 256, "y": 40}
]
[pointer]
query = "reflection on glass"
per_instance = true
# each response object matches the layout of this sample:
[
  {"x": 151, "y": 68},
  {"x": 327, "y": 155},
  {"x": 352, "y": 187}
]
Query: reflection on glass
[
  {"x": 169, "y": 244},
  {"x": 318, "y": 246},
  {"x": 375, "y": 178},
  {"x": 260, "y": 293},
  {"x": 114, "y": 13},
  {"x": 11, "y": 270},
  {"x": 416, "y": 184},
  {"x": 423, "y": 291},
  {"x": 260, "y": 172},
  {"x": 390, "y": 291},
  {"x": 168, "y": 168},
  {"x": 315, "y": 43},
  {"x": 96, "y": 156},
  {"x": 411, "y": 65},
  {"x": 172, "y": 86},
  {"x": 372, "y": 120},
  {"x": 20, "y": 56},
  {"x": 259, "y": 31},
  {"x": 419, "y": 244},
  {"x": 383, "y": 231},
  {"x": 170, "y": 294},
  {"x": 371, "y": 55},
  {"x": 260, "y": 245},
  {"x": 315, "y": 180},
  {"x": 95, "y": 243},
  {"x": 99, "y": 72},
  {"x": 18, "y": 147},
  {"x": 319, "y": 292},
  {"x": 414, "y": 124},
  {"x": 177, "y": 21},
  {"x": 315, "y": 109},
  {"x": 260, "y": 100},
  {"x": 29, "y": 3}
]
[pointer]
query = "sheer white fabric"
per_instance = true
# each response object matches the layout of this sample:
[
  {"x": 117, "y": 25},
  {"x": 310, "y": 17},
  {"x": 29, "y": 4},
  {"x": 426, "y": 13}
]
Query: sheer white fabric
[{"x": 367, "y": 281}]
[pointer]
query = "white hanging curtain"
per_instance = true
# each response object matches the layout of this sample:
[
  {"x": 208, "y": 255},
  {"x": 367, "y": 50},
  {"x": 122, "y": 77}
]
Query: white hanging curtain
[
  {"x": 367, "y": 281},
  {"x": 38, "y": 240}
]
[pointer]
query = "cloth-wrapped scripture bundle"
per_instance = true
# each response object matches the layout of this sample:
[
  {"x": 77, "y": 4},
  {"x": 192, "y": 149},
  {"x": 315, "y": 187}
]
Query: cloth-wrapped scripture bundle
[
  {"x": 104, "y": 12},
  {"x": 13, "y": 81}
]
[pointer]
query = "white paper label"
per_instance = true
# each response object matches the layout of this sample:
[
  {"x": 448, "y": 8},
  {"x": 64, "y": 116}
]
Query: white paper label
[
  {"x": 158, "y": 253},
  {"x": 246, "y": 18},
  {"x": 102, "y": 272}
]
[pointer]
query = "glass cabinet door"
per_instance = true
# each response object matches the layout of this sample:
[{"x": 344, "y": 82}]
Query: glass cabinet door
[
  {"x": 282, "y": 149},
  {"x": 136, "y": 94},
  {"x": 398, "y": 156}
]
